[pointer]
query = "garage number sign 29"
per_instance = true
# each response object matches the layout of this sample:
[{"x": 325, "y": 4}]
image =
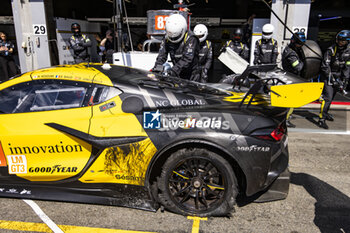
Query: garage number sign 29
[
  {"x": 39, "y": 29},
  {"x": 160, "y": 22}
]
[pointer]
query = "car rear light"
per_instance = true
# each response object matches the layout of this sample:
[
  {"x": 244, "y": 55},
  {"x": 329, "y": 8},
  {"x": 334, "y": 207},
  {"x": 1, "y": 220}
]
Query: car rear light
[
  {"x": 275, "y": 135},
  {"x": 278, "y": 133}
]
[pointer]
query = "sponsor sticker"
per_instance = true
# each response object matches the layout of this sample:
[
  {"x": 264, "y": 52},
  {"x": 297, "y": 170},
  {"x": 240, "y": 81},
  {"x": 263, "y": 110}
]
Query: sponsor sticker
[
  {"x": 253, "y": 148},
  {"x": 156, "y": 120},
  {"x": 2, "y": 157},
  {"x": 24, "y": 191},
  {"x": 151, "y": 120},
  {"x": 17, "y": 164},
  {"x": 53, "y": 169},
  {"x": 181, "y": 102},
  {"x": 174, "y": 122},
  {"x": 12, "y": 191}
]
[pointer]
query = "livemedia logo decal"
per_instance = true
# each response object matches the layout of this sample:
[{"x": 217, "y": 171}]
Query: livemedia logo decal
[{"x": 151, "y": 120}]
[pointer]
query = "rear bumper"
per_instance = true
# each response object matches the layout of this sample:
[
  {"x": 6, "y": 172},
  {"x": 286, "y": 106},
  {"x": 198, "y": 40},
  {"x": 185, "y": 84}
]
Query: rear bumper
[{"x": 278, "y": 190}]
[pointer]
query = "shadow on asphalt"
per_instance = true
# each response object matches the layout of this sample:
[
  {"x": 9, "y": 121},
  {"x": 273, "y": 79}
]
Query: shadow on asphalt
[
  {"x": 332, "y": 207},
  {"x": 308, "y": 116}
]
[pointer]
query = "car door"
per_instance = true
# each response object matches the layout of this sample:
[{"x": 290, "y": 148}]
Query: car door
[
  {"x": 127, "y": 149},
  {"x": 35, "y": 116}
]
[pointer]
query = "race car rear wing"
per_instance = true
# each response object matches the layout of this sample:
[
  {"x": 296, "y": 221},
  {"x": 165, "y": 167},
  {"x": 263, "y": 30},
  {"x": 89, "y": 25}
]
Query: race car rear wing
[{"x": 285, "y": 89}]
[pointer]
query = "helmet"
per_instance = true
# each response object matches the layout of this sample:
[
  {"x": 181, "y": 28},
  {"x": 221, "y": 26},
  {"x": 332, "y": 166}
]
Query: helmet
[
  {"x": 175, "y": 28},
  {"x": 343, "y": 35},
  {"x": 238, "y": 34},
  {"x": 298, "y": 38},
  {"x": 201, "y": 31},
  {"x": 267, "y": 31},
  {"x": 75, "y": 26}
]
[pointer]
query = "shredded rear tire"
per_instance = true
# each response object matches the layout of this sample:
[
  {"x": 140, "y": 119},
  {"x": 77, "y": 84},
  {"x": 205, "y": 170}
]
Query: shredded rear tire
[{"x": 197, "y": 182}]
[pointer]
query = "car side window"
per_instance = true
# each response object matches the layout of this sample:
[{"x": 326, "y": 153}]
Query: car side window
[
  {"x": 12, "y": 96},
  {"x": 101, "y": 94},
  {"x": 43, "y": 95},
  {"x": 58, "y": 97}
]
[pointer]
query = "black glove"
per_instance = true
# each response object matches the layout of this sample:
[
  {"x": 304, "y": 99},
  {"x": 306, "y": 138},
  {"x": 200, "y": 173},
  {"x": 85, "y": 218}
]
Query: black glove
[
  {"x": 171, "y": 72},
  {"x": 157, "y": 69},
  {"x": 229, "y": 79},
  {"x": 204, "y": 76}
]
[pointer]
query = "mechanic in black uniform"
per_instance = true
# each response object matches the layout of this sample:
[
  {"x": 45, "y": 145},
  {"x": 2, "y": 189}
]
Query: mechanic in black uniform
[
  {"x": 237, "y": 44},
  {"x": 240, "y": 48},
  {"x": 292, "y": 61},
  {"x": 335, "y": 70},
  {"x": 348, "y": 87},
  {"x": 266, "y": 50},
  {"x": 80, "y": 44},
  {"x": 7, "y": 63},
  {"x": 292, "y": 58},
  {"x": 183, "y": 47},
  {"x": 205, "y": 52}
]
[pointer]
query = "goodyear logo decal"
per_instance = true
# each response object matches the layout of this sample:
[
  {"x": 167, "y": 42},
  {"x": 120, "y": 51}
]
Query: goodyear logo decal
[{"x": 53, "y": 169}]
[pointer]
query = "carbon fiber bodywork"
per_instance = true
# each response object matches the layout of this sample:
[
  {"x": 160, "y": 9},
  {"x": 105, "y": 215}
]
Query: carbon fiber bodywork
[
  {"x": 236, "y": 142},
  {"x": 191, "y": 115}
]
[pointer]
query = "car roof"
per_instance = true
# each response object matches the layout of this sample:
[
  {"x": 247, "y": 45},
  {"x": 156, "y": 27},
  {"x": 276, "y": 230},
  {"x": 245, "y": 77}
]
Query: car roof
[{"x": 122, "y": 74}]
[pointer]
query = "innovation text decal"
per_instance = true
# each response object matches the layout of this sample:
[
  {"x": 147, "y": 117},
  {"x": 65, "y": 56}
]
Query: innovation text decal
[{"x": 58, "y": 148}]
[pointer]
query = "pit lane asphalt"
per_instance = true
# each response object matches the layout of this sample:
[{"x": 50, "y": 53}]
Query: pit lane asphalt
[{"x": 318, "y": 200}]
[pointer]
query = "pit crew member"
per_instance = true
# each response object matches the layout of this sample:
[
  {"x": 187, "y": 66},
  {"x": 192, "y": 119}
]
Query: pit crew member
[
  {"x": 237, "y": 44},
  {"x": 292, "y": 61},
  {"x": 183, "y": 47},
  {"x": 335, "y": 70},
  {"x": 205, "y": 51},
  {"x": 266, "y": 49},
  {"x": 79, "y": 43}
]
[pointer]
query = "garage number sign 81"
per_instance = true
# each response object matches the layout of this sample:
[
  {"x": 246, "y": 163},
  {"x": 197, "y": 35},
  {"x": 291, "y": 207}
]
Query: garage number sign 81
[{"x": 39, "y": 29}]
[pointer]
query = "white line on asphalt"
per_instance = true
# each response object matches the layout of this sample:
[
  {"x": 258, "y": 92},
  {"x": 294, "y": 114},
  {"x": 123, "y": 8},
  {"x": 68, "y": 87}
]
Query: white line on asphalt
[
  {"x": 43, "y": 216},
  {"x": 302, "y": 130}
]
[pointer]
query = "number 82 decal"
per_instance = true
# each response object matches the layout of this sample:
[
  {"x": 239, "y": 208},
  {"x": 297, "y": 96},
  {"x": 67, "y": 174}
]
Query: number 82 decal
[{"x": 160, "y": 22}]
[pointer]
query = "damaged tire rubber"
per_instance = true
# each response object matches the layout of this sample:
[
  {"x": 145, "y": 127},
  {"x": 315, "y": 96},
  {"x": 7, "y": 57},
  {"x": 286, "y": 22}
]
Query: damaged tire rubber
[{"x": 197, "y": 182}]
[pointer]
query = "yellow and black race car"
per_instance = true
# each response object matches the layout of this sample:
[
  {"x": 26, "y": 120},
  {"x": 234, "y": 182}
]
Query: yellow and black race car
[{"x": 120, "y": 136}]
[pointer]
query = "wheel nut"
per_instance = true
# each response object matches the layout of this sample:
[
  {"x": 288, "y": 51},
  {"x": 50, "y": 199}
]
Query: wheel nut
[{"x": 197, "y": 184}]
